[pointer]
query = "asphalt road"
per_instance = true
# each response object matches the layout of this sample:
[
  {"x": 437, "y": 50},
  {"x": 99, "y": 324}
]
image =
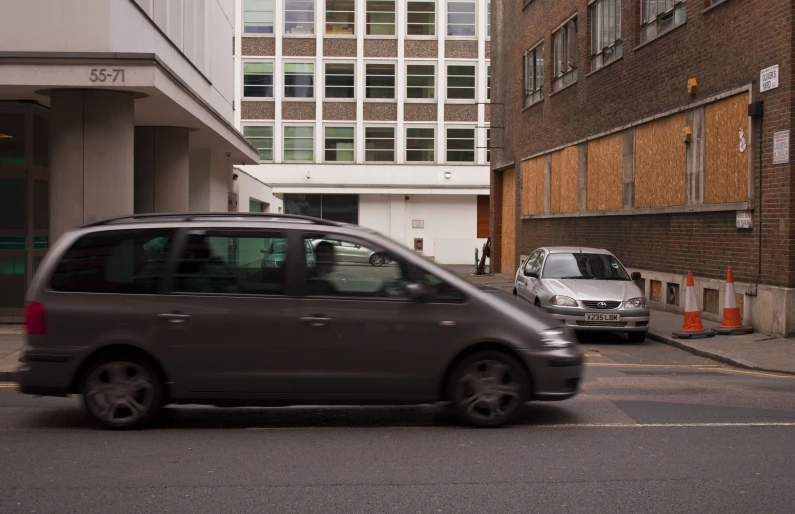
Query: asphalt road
[{"x": 655, "y": 430}]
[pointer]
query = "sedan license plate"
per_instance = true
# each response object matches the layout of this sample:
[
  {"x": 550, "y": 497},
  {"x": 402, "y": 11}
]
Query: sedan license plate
[{"x": 601, "y": 317}]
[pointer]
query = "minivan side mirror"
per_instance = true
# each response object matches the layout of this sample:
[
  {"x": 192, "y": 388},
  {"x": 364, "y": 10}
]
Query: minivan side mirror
[
  {"x": 635, "y": 275},
  {"x": 531, "y": 273},
  {"x": 415, "y": 291}
]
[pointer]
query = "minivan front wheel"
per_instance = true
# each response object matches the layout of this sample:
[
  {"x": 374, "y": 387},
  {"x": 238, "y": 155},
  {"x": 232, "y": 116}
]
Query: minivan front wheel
[
  {"x": 488, "y": 389},
  {"x": 122, "y": 392}
]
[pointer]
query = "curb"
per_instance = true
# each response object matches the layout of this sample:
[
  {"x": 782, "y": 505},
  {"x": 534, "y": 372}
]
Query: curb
[{"x": 739, "y": 363}]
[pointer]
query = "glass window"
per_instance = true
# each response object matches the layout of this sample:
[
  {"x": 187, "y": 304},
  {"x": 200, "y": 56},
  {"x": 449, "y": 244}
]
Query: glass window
[
  {"x": 258, "y": 79},
  {"x": 379, "y": 144},
  {"x": 660, "y": 16},
  {"x": 585, "y": 266},
  {"x": 340, "y": 17},
  {"x": 488, "y": 82},
  {"x": 460, "y": 82},
  {"x": 258, "y": 16},
  {"x": 119, "y": 261},
  {"x": 339, "y": 144},
  {"x": 534, "y": 75},
  {"x": 420, "y": 144},
  {"x": 460, "y": 18},
  {"x": 488, "y": 20},
  {"x": 439, "y": 291},
  {"x": 460, "y": 145},
  {"x": 380, "y": 17},
  {"x": 380, "y": 81},
  {"x": 299, "y": 17},
  {"x": 420, "y": 18},
  {"x": 260, "y": 138},
  {"x": 222, "y": 262},
  {"x": 299, "y": 144},
  {"x": 339, "y": 80},
  {"x": 421, "y": 81},
  {"x": 488, "y": 145},
  {"x": 605, "y": 32},
  {"x": 350, "y": 269},
  {"x": 565, "y": 58},
  {"x": 299, "y": 80}
]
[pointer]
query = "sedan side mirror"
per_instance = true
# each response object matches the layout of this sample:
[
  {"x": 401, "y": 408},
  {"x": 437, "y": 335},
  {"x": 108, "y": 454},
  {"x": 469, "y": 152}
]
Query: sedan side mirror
[
  {"x": 531, "y": 273},
  {"x": 415, "y": 291},
  {"x": 635, "y": 275}
]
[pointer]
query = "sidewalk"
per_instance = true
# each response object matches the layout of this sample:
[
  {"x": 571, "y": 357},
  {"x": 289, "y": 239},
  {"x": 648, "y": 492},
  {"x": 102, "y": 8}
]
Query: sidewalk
[{"x": 11, "y": 343}]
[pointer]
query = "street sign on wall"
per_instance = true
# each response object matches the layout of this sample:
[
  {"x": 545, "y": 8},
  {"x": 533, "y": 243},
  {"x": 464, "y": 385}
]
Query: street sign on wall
[{"x": 768, "y": 79}]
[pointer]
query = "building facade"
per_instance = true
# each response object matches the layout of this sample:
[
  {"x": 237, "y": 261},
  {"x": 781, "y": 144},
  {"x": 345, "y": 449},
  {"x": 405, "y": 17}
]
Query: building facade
[
  {"x": 110, "y": 107},
  {"x": 658, "y": 129},
  {"x": 372, "y": 112}
]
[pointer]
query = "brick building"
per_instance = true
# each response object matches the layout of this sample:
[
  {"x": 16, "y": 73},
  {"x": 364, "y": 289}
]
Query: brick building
[{"x": 634, "y": 125}]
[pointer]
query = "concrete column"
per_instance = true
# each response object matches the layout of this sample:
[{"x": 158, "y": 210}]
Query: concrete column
[
  {"x": 91, "y": 174},
  {"x": 161, "y": 169},
  {"x": 209, "y": 184}
]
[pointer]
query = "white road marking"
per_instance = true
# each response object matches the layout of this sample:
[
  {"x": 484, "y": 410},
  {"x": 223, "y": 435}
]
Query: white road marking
[{"x": 569, "y": 425}]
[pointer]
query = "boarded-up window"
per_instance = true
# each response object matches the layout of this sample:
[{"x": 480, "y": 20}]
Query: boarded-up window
[
  {"x": 565, "y": 177},
  {"x": 660, "y": 163},
  {"x": 727, "y": 145},
  {"x": 483, "y": 216},
  {"x": 605, "y": 173},
  {"x": 533, "y": 186},
  {"x": 508, "y": 261}
]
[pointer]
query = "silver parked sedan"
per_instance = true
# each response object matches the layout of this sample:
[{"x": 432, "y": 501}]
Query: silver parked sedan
[{"x": 585, "y": 288}]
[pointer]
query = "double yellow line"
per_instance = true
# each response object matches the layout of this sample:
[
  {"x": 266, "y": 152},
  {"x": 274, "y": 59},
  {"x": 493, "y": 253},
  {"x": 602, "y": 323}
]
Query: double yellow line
[{"x": 704, "y": 367}]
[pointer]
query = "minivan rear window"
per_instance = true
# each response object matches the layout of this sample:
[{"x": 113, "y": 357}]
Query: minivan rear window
[{"x": 118, "y": 261}]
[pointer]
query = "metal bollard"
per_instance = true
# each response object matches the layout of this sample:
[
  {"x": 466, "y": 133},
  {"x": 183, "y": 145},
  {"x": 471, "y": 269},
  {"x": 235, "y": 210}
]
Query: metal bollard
[{"x": 477, "y": 260}]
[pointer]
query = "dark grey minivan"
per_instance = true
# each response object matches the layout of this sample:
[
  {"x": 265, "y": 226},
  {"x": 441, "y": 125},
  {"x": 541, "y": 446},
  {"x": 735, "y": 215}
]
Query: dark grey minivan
[{"x": 141, "y": 311}]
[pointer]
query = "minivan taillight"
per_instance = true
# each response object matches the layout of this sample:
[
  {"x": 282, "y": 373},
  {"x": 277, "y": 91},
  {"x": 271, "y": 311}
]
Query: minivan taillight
[{"x": 35, "y": 319}]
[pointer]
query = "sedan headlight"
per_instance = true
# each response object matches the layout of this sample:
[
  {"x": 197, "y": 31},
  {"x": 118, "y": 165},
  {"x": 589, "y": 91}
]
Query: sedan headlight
[
  {"x": 636, "y": 303},
  {"x": 557, "y": 338},
  {"x": 563, "y": 301}
]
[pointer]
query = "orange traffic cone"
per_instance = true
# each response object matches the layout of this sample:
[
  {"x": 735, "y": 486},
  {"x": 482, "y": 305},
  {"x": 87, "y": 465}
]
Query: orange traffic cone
[
  {"x": 732, "y": 324},
  {"x": 692, "y": 325}
]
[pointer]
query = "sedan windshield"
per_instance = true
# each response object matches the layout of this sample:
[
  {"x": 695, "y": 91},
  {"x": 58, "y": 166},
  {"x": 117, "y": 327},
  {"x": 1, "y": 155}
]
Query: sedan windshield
[{"x": 584, "y": 266}]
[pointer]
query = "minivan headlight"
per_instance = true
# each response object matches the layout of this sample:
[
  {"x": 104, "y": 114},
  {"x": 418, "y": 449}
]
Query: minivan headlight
[
  {"x": 636, "y": 303},
  {"x": 563, "y": 301},
  {"x": 556, "y": 338}
]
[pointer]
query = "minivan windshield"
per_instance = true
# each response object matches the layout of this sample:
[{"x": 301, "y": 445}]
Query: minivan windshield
[{"x": 588, "y": 266}]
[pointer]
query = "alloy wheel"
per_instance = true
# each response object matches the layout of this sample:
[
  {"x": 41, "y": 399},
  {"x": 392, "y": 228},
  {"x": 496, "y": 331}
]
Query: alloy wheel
[
  {"x": 120, "y": 393},
  {"x": 488, "y": 391}
]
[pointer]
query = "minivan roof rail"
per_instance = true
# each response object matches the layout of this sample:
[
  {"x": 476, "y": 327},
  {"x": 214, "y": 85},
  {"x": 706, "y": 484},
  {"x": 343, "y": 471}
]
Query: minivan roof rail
[{"x": 190, "y": 216}]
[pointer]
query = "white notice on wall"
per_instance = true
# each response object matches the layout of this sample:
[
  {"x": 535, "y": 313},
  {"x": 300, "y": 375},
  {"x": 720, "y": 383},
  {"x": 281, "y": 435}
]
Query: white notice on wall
[
  {"x": 417, "y": 223},
  {"x": 768, "y": 79},
  {"x": 781, "y": 147},
  {"x": 745, "y": 219}
]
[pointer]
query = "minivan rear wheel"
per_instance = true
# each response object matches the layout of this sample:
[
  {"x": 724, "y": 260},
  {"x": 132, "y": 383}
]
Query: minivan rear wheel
[
  {"x": 122, "y": 392},
  {"x": 488, "y": 389}
]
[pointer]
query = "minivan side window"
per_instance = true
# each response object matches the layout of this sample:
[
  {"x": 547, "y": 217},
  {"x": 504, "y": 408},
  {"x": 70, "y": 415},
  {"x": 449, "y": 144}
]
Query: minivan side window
[
  {"x": 118, "y": 261},
  {"x": 232, "y": 263}
]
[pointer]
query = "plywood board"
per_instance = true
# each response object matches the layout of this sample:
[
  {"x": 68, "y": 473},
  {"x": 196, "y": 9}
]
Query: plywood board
[
  {"x": 725, "y": 165},
  {"x": 508, "y": 221},
  {"x": 565, "y": 177},
  {"x": 605, "y": 173},
  {"x": 660, "y": 163},
  {"x": 533, "y": 186},
  {"x": 483, "y": 216}
]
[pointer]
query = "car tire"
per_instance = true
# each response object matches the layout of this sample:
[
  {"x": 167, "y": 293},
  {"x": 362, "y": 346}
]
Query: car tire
[
  {"x": 122, "y": 392},
  {"x": 636, "y": 337},
  {"x": 377, "y": 260},
  {"x": 488, "y": 389},
  {"x": 514, "y": 291}
]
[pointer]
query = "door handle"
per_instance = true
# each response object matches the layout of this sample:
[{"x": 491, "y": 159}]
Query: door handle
[
  {"x": 315, "y": 321},
  {"x": 174, "y": 317}
]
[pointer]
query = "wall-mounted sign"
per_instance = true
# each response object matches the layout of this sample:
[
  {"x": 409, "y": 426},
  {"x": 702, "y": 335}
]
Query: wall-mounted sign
[
  {"x": 781, "y": 147},
  {"x": 745, "y": 219},
  {"x": 768, "y": 79},
  {"x": 417, "y": 223}
]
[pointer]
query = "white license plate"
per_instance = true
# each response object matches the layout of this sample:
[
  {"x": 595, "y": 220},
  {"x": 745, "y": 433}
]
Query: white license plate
[{"x": 602, "y": 317}]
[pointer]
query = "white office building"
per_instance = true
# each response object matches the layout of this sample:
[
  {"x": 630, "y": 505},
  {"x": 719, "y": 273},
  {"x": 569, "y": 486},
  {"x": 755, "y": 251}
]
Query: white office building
[{"x": 374, "y": 112}]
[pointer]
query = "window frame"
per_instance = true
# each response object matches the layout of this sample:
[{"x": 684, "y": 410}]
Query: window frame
[
  {"x": 325, "y": 82},
  {"x": 284, "y": 85},
  {"x": 462, "y": 126},
  {"x": 282, "y": 136},
  {"x": 604, "y": 54},
  {"x": 563, "y": 78},
  {"x": 353, "y": 138},
  {"x": 534, "y": 96},
  {"x": 447, "y": 20},
  {"x": 435, "y": 140},
  {"x": 474, "y": 66},
  {"x": 367, "y": 24},
  {"x": 243, "y": 81},
  {"x": 394, "y": 65},
  {"x": 245, "y": 124},
  {"x": 435, "y": 65},
  {"x": 435, "y": 34},
  {"x": 326, "y": 23},
  {"x": 394, "y": 142},
  {"x": 488, "y": 144},
  {"x": 311, "y": 35},
  {"x": 660, "y": 19},
  {"x": 258, "y": 34},
  {"x": 488, "y": 21}
]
